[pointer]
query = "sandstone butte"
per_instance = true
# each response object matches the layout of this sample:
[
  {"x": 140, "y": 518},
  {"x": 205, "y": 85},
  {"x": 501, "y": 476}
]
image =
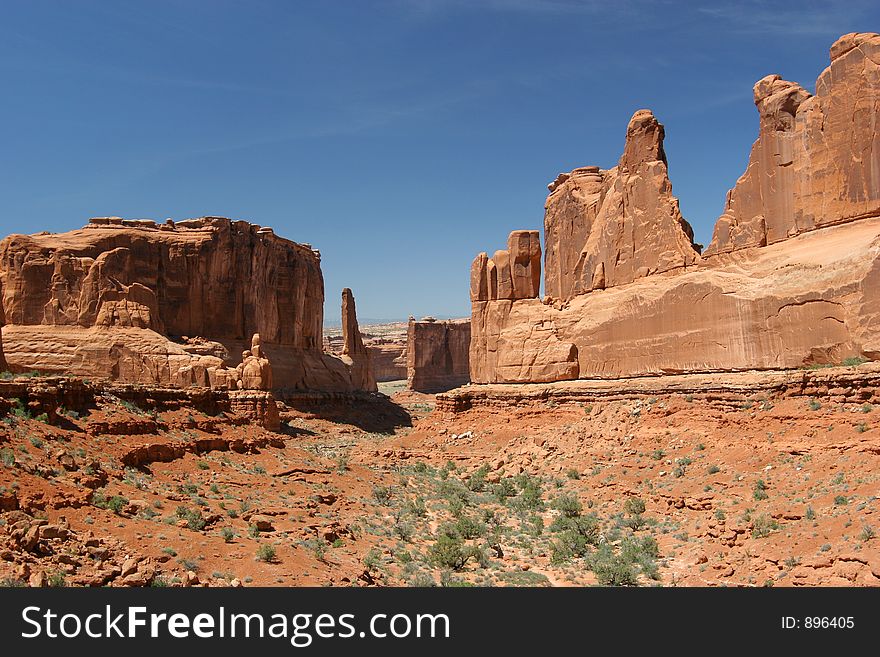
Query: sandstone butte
[
  {"x": 201, "y": 302},
  {"x": 789, "y": 279},
  {"x": 437, "y": 354}
]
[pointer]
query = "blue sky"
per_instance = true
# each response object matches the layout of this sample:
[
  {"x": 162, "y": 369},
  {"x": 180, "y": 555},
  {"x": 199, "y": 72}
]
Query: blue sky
[{"x": 399, "y": 137}]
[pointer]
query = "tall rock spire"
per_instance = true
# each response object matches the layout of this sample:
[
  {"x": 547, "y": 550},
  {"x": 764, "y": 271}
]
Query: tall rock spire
[{"x": 354, "y": 353}]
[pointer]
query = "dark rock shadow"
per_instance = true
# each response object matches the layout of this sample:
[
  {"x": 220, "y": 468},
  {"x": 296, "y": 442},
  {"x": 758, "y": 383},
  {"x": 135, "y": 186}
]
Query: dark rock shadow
[{"x": 370, "y": 412}]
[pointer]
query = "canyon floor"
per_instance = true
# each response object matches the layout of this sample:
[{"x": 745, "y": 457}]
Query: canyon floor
[{"x": 722, "y": 480}]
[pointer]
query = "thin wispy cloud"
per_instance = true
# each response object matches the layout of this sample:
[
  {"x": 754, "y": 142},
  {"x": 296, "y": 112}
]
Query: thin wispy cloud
[{"x": 797, "y": 19}]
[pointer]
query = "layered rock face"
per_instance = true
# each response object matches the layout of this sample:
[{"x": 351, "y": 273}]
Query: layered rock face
[
  {"x": 354, "y": 353},
  {"x": 387, "y": 351},
  {"x": 437, "y": 354},
  {"x": 388, "y": 357},
  {"x": 607, "y": 228},
  {"x": 639, "y": 299},
  {"x": 166, "y": 304},
  {"x": 207, "y": 277},
  {"x": 3, "y": 366},
  {"x": 817, "y": 158},
  {"x": 514, "y": 273}
]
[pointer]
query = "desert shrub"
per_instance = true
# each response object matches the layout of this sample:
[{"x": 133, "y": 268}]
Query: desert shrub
[
  {"x": 634, "y": 506},
  {"x": 613, "y": 569},
  {"x": 530, "y": 495},
  {"x": 568, "y": 505},
  {"x": 469, "y": 528},
  {"x": 417, "y": 507},
  {"x": 477, "y": 481},
  {"x": 12, "y": 582},
  {"x": 448, "y": 552},
  {"x": 634, "y": 522},
  {"x": 227, "y": 534},
  {"x": 372, "y": 559},
  {"x": 116, "y": 504},
  {"x": 266, "y": 553},
  {"x": 7, "y": 457},
  {"x": 57, "y": 580},
  {"x": 504, "y": 489},
  {"x": 524, "y": 578},
  {"x": 193, "y": 518},
  {"x": 131, "y": 407},
  {"x": 574, "y": 537},
  {"x": 452, "y": 552},
  {"x": 405, "y": 530},
  {"x": 383, "y": 495},
  {"x": 760, "y": 490},
  {"x": 762, "y": 526}
]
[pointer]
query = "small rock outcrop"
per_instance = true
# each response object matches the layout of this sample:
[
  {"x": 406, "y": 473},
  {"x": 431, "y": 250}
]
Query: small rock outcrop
[
  {"x": 437, "y": 354},
  {"x": 254, "y": 372},
  {"x": 354, "y": 353},
  {"x": 514, "y": 273}
]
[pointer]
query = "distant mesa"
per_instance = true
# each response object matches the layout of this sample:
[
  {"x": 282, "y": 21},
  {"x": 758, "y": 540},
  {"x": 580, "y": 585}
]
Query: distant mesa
[{"x": 437, "y": 355}]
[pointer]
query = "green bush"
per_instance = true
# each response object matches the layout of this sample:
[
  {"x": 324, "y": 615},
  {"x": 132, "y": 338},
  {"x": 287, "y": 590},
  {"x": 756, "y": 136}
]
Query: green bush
[
  {"x": 469, "y": 528},
  {"x": 266, "y": 553},
  {"x": 574, "y": 537},
  {"x": 417, "y": 507},
  {"x": 193, "y": 517},
  {"x": 613, "y": 569},
  {"x": 383, "y": 495},
  {"x": 530, "y": 495},
  {"x": 477, "y": 481},
  {"x": 762, "y": 526},
  {"x": 227, "y": 534},
  {"x": 568, "y": 505},
  {"x": 760, "y": 490},
  {"x": 451, "y": 552},
  {"x": 116, "y": 504},
  {"x": 7, "y": 457},
  {"x": 57, "y": 580},
  {"x": 634, "y": 506},
  {"x": 373, "y": 559},
  {"x": 504, "y": 489}
]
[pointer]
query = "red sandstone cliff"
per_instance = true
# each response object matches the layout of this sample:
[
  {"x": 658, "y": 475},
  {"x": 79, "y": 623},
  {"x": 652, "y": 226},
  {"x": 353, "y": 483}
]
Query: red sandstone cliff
[
  {"x": 166, "y": 304},
  {"x": 606, "y": 228},
  {"x": 638, "y": 298},
  {"x": 817, "y": 158},
  {"x": 437, "y": 354}
]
